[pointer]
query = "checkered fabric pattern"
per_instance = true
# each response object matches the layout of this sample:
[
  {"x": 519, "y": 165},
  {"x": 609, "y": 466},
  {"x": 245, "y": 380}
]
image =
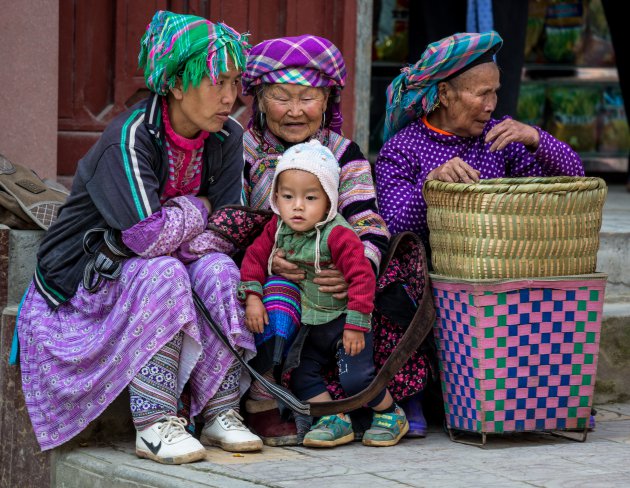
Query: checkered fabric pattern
[
  {"x": 303, "y": 60},
  {"x": 518, "y": 355},
  {"x": 45, "y": 212}
]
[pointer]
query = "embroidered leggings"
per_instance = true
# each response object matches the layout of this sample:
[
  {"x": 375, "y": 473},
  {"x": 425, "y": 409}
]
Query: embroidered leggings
[{"x": 153, "y": 389}]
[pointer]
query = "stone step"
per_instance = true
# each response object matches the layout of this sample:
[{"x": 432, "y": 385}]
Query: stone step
[
  {"x": 18, "y": 257},
  {"x": 614, "y": 247},
  {"x": 613, "y": 258},
  {"x": 107, "y": 467}
]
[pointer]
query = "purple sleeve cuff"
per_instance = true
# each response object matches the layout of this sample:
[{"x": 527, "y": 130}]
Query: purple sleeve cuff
[
  {"x": 179, "y": 220},
  {"x": 139, "y": 237},
  {"x": 200, "y": 206}
]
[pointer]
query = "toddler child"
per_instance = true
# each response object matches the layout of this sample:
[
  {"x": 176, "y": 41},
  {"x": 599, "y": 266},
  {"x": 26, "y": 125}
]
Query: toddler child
[{"x": 305, "y": 193}]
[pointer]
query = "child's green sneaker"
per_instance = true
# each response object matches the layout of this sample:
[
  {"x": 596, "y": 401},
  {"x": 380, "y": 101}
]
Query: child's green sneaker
[
  {"x": 329, "y": 431},
  {"x": 387, "y": 429}
]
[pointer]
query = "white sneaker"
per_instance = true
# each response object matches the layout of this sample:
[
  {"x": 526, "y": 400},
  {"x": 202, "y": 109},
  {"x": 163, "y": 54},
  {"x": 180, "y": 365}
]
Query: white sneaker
[
  {"x": 228, "y": 432},
  {"x": 168, "y": 442}
]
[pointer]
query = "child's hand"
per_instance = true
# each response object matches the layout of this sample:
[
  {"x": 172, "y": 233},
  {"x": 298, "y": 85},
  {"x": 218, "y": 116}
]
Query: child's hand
[
  {"x": 255, "y": 314},
  {"x": 353, "y": 342}
]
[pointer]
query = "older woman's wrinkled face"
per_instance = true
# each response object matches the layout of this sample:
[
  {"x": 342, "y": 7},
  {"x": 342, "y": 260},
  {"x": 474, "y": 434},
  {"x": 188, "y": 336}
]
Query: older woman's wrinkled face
[
  {"x": 293, "y": 112},
  {"x": 469, "y": 100}
]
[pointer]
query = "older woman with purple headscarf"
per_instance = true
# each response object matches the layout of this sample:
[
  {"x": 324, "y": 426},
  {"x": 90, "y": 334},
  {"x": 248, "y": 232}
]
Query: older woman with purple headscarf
[
  {"x": 296, "y": 85},
  {"x": 439, "y": 126},
  {"x": 111, "y": 305}
]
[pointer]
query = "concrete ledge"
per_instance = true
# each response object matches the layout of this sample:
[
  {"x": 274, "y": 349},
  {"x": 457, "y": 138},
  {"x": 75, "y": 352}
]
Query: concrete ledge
[
  {"x": 18, "y": 258},
  {"x": 117, "y": 466},
  {"x": 613, "y": 258},
  {"x": 23, "y": 246},
  {"x": 23, "y": 463}
]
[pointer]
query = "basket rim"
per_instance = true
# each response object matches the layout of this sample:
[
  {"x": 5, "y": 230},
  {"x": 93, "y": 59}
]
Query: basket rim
[
  {"x": 440, "y": 278},
  {"x": 527, "y": 184}
]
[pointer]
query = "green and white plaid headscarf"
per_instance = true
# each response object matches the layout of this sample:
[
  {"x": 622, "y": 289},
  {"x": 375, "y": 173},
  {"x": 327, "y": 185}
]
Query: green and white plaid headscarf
[{"x": 190, "y": 47}]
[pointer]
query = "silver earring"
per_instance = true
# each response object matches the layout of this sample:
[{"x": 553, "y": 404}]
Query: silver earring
[
  {"x": 323, "y": 120},
  {"x": 261, "y": 119}
]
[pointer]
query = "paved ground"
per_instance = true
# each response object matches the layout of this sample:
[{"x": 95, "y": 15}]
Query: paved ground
[{"x": 520, "y": 460}]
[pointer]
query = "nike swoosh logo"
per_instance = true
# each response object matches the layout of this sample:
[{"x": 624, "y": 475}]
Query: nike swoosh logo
[{"x": 153, "y": 448}]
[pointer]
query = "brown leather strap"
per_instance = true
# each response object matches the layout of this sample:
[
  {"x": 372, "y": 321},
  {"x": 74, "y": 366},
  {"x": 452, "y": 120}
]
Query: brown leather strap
[{"x": 414, "y": 336}]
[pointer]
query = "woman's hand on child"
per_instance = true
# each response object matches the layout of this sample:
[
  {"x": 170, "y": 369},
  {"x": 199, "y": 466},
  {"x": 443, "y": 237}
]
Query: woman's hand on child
[
  {"x": 353, "y": 342},
  {"x": 255, "y": 314},
  {"x": 331, "y": 280},
  {"x": 286, "y": 269}
]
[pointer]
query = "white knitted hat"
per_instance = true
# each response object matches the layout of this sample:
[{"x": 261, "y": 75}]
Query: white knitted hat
[{"x": 316, "y": 159}]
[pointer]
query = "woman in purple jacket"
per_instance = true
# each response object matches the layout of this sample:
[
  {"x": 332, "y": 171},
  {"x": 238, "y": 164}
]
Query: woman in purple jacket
[{"x": 439, "y": 126}]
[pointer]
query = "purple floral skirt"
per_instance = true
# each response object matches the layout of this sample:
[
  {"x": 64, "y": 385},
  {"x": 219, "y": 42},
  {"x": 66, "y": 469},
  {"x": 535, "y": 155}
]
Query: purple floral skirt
[{"x": 77, "y": 359}]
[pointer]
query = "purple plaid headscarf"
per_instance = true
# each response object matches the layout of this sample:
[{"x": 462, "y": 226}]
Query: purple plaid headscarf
[
  {"x": 414, "y": 92},
  {"x": 304, "y": 60}
]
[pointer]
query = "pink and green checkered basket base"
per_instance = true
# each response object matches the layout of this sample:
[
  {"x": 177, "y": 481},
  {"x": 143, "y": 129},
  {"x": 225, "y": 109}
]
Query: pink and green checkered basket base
[{"x": 518, "y": 355}]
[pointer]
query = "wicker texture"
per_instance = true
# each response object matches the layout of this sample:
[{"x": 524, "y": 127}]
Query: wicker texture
[
  {"x": 515, "y": 227},
  {"x": 518, "y": 355}
]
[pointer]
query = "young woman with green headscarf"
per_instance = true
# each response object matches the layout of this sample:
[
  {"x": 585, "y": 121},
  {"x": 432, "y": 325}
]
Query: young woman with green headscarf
[{"x": 111, "y": 304}]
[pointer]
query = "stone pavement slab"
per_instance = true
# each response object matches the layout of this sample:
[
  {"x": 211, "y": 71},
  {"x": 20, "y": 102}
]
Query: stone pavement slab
[{"x": 517, "y": 460}]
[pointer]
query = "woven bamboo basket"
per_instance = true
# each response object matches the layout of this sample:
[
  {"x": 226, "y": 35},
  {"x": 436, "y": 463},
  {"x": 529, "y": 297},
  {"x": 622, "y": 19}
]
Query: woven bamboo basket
[{"x": 515, "y": 227}]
